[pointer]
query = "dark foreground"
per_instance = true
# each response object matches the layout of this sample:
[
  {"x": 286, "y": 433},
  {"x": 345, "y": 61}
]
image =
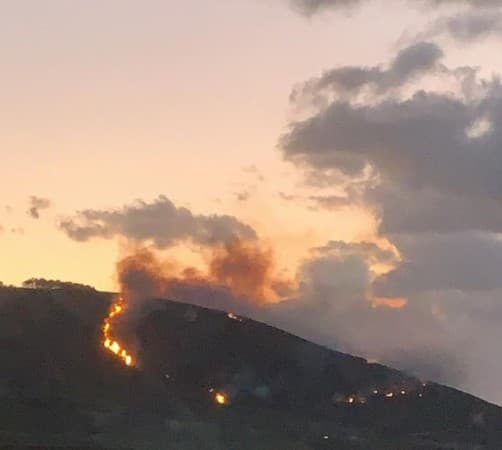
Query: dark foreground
[{"x": 60, "y": 389}]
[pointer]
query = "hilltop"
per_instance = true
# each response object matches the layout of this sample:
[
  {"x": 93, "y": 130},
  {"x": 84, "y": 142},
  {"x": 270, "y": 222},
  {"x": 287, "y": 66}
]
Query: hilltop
[{"x": 209, "y": 380}]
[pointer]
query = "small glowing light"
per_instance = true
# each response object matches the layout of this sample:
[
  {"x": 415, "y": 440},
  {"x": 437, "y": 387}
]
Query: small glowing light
[
  {"x": 420, "y": 395},
  {"x": 403, "y": 392},
  {"x": 375, "y": 392},
  {"x": 389, "y": 395},
  {"x": 220, "y": 398},
  {"x": 234, "y": 317},
  {"x": 325, "y": 437},
  {"x": 351, "y": 400}
]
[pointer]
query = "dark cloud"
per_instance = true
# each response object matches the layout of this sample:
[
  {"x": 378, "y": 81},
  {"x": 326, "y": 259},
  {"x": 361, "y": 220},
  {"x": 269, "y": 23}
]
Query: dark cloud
[
  {"x": 309, "y": 7},
  {"x": 468, "y": 262},
  {"x": 436, "y": 151},
  {"x": 417, "y": 142},
  {"x": 329, "y": 201},
  {"x": 432, "y": 210},
  {"x": 365, "y": 250},
  {"x": 159, "y": 221},
  {"x": 429, "y": 164},
  {"x": 38, "y": 204},
  {"x": 468, "y": 26},
  {"x": 411, "y": 62}
]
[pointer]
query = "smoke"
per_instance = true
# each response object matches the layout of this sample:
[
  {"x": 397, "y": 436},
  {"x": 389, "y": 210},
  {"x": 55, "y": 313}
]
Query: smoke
[
  {"x": 331, "y": 301},
  {"x": 248, "y": 270},
  {"x": 239, "y": 274}
]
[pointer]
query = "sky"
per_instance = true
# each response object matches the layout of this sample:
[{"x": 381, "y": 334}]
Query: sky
[{"x": 364, "y": 158}]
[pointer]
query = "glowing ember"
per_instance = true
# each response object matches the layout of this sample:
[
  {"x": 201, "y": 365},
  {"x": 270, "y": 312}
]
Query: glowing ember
[
  {"x": 221, "y": 398},
  {"x": 234, "y": 317},
  {"x": 111, "y": 344}
]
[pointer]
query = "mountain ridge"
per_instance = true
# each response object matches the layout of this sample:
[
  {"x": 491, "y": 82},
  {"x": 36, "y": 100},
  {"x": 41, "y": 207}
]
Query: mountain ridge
[{"x": 280, "y": 391}]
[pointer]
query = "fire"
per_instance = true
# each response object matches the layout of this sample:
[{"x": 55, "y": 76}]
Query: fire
[
  {"x": 221, "y": 398},
  {"x": 390, "y": 302},
  {"x": 234, "y": 317},
  {"x": 109, "y": 342}
]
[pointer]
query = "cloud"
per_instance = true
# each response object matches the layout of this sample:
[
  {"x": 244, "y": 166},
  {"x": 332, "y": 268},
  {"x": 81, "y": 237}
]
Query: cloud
[
  {"x": 443, "y": 335},
  {"x": 428, "y": 163},
  {"x": 409, "y": 63},
  {"x": 465, "y": 27},
  {"x": 330, "y": 202},
  {"x": 38, "y": 204},
  {"x": 160, "y": 221},
  {"x": 436, "y": 155},
  {"x": 468, "y": 262},
  {"x": 334, "y": 307},
  {"x": 310, "y": 7}
]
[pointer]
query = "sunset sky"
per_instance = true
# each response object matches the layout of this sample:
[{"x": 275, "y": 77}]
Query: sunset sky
[{"x": 349, "y": 137}]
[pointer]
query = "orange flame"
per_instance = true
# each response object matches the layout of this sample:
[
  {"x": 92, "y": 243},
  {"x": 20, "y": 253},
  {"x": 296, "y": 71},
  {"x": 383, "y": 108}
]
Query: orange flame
[
  {"x": 221, "y": 398},
  {"x": 109, "y": 342}
]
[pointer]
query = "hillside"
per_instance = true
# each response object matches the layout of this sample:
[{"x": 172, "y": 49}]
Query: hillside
[{"x": 209, "y": 380}]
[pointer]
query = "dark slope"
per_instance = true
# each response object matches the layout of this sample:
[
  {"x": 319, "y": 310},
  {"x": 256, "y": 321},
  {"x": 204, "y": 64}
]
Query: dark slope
[{"x": 59, "y": 387}]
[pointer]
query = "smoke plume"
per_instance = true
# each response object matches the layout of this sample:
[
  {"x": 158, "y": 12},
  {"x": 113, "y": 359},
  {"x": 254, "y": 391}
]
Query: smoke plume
[{"x": 238, "y": 274}]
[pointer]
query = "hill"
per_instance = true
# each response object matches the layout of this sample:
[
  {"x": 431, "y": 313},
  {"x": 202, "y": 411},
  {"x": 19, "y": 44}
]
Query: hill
[{"x": 208, "y": 380}]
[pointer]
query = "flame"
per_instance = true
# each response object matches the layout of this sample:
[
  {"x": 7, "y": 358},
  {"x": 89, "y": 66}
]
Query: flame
[
  {"x": 390, "y": 302},
  {"x": 109, "y": 342},
  {"x": 233, "y": 316},
  {"x": 221, "y": 398}
]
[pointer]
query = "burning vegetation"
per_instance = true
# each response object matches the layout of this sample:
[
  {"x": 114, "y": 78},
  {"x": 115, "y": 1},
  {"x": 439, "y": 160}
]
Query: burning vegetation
[{"x": 111, "y": 343}]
